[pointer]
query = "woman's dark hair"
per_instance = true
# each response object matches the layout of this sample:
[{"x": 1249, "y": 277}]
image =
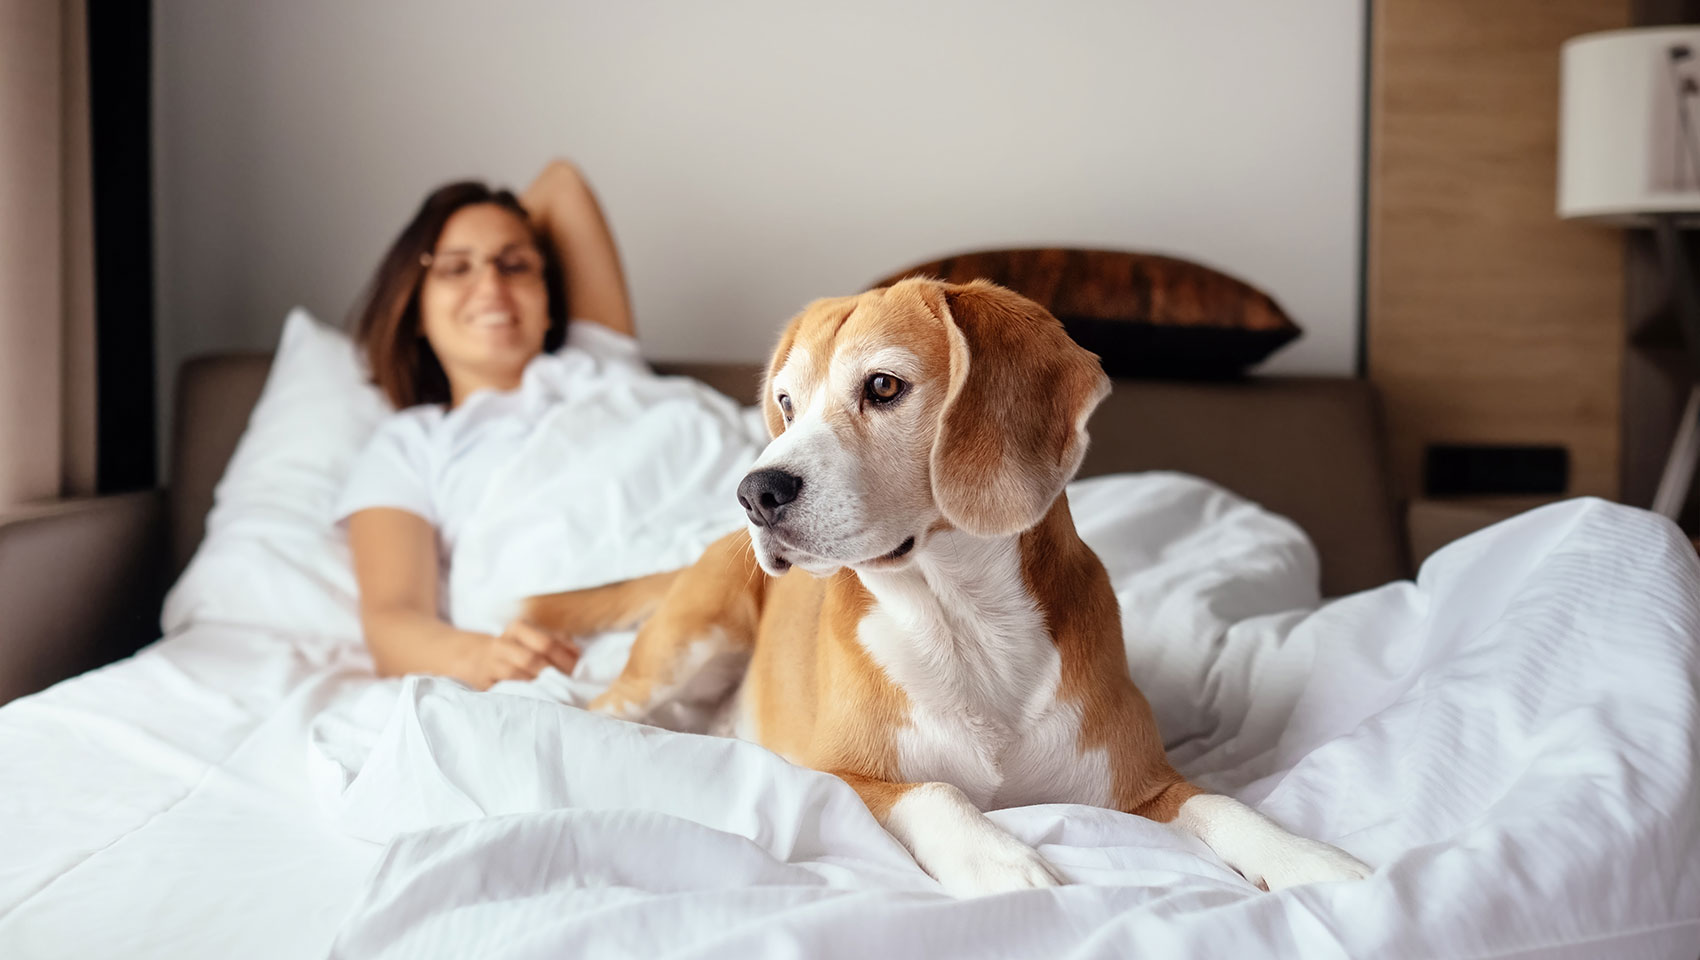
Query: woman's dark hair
[{"x": 387, "y": 324}]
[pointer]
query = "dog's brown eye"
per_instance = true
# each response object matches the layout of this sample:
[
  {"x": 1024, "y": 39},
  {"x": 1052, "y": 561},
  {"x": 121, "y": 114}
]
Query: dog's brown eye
[
  {"x": 883, "y": 388},
  {"x": 785, "y": 407}
]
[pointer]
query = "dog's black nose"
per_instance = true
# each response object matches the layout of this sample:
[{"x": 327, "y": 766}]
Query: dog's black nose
[{"x": 764, "y": 494}]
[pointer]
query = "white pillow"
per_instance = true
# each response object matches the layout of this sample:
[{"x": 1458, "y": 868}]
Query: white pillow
[{"x": 272, "y": 555}]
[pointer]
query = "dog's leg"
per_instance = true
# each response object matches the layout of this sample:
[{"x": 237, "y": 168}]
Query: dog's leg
[
  {"x": 692, "y": 651},
  {"x": 612, "y": 606},
  {"x": 1250, "y": 842},
  {"x": 1246, "y": 840},
  {"x": 951, "y": 839}
]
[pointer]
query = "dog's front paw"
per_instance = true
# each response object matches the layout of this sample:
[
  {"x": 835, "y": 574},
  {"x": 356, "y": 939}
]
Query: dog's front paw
[
  {"x": 969, "y": 855},
  {"x": 1301, "y": 861},
  {"x": 995, "y": 865},
  {"x": 1259, "y": 849}
]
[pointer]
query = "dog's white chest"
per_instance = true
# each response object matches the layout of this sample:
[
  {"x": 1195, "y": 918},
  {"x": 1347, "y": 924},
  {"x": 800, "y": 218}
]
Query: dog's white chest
[
  {"x": 998, "y": 764},
  {"x": 965, "y": 642}
]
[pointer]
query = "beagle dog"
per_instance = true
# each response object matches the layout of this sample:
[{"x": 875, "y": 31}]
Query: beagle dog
[{"x": 911, "y": 607}]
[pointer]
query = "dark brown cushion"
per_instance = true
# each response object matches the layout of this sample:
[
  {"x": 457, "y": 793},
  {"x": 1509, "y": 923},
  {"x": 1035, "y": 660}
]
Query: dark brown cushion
[{"x": 1143, "y": 315}]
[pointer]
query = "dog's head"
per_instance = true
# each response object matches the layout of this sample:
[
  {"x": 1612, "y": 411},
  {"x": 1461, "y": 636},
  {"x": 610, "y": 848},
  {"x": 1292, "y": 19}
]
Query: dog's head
[{"x": 912, "y": 409}]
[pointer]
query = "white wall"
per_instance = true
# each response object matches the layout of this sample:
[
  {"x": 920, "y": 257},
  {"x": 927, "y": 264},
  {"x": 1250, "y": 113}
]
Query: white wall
[{"x": 755, "y": 154}]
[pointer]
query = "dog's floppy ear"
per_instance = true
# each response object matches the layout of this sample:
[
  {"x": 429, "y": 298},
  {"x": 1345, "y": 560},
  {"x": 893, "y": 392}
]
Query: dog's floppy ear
[
  {"x": 770, "y": 406},
  {"x": 1013, "y": 429}
]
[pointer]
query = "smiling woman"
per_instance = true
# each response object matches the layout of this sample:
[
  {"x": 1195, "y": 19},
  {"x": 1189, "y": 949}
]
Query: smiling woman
[
  {"x": 475, "y": 288},
  {"x": 437, "y": 324},
  {"x": 484, "y": 333}
]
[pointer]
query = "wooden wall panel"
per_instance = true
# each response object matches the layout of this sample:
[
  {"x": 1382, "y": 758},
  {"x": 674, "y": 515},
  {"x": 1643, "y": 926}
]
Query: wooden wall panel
[{"x": 1489, "y": 320}]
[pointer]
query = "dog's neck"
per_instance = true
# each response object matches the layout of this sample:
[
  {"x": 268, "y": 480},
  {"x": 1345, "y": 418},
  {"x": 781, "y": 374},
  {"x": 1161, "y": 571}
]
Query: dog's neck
[{"x": 968, "y": 632}]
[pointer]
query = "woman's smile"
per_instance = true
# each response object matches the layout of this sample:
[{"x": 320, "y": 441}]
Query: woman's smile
[{"x": 495, "y": 319}]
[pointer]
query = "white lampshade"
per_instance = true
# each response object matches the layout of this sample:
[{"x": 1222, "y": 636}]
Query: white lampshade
[{"x": 1629, "y": 125}]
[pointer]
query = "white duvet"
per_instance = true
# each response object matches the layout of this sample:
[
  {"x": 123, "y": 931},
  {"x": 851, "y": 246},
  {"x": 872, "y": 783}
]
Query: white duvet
[{"x": 1511, "y": 741}]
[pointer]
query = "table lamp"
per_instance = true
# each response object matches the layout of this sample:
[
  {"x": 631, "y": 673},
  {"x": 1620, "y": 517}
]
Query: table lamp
[{"x": 1629, "y": 156}]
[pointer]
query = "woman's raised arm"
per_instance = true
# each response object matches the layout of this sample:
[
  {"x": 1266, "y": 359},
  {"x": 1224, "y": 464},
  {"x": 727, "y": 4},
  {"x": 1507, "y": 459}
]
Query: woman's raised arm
[{"x": 563, "y": 205}]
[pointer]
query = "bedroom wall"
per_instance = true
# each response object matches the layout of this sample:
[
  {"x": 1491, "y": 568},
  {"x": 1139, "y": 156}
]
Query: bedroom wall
[{"x": 754, "y": 154}]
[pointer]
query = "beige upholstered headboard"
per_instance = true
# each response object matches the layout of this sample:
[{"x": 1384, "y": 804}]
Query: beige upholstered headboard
[{"x": 1307, "y": 448}]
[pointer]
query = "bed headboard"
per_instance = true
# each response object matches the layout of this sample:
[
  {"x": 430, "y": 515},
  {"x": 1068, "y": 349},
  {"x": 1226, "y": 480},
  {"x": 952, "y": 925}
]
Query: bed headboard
[{"x": 1307, "y": 448}]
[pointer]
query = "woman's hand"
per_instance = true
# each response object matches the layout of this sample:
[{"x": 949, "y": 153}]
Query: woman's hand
[
  {"x": 520, "y": 652},
  {"x": 396, "y": 565}
]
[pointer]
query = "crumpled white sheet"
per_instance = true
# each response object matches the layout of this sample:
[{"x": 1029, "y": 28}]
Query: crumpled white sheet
[
  {"x": 555, "y": 518},
  {"x": 1511, "y": 740}
]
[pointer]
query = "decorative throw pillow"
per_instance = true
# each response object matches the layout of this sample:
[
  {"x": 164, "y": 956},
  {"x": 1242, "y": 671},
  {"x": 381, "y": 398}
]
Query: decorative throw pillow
[{"x": 1143, "y": 315}]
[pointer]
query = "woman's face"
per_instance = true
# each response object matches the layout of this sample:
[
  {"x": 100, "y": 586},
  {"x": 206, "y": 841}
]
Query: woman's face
[{"x": 484, "y": 306}]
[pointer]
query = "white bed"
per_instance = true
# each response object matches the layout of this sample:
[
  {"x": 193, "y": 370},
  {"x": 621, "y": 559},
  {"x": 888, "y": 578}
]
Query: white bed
[{"x": 1512, "y": 740}]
